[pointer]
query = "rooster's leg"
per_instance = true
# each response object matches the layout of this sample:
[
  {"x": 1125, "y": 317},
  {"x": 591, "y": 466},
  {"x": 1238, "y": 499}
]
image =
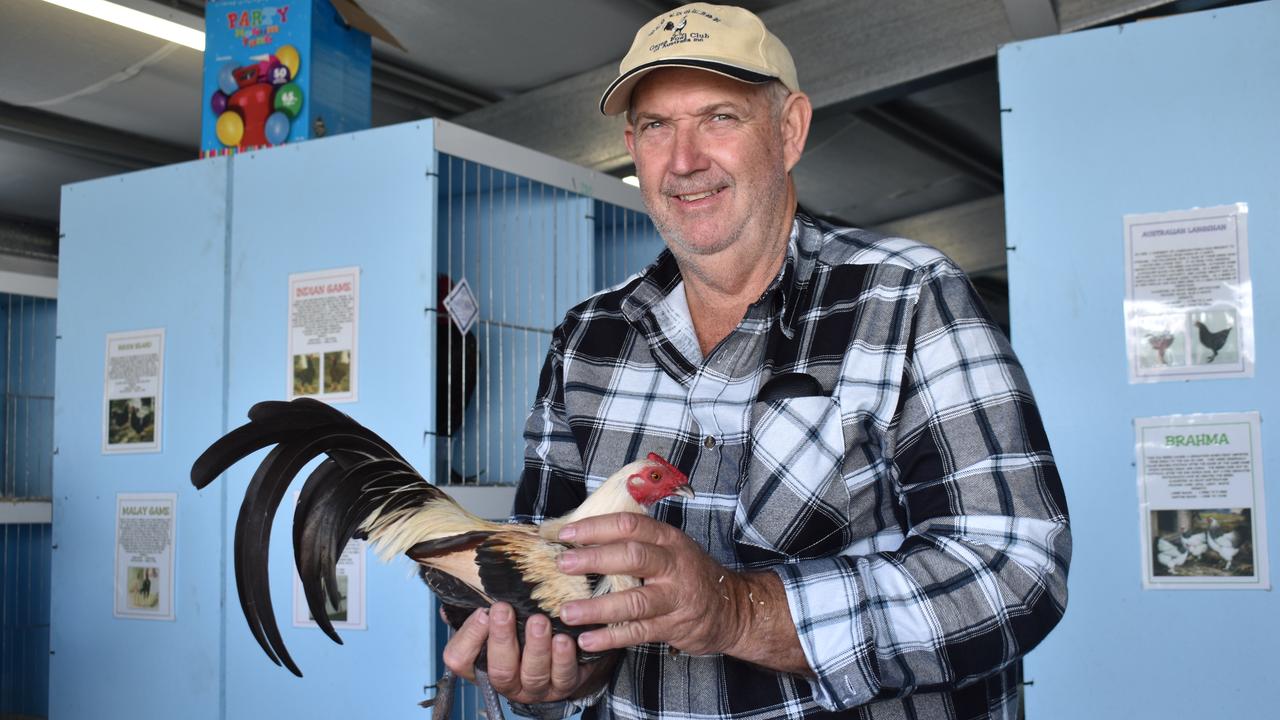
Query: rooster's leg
[
  {"x": 492, "y": 705},
  {"x": 442, "y": 704}
]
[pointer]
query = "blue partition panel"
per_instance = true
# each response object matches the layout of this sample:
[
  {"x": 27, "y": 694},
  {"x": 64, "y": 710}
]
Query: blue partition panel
[
  {"x": 1161, "y": 115},
  {"x": 140, "y": 251}
]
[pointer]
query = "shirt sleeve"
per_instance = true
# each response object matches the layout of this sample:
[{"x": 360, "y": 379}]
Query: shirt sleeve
[{"x": 980, "y": 576}]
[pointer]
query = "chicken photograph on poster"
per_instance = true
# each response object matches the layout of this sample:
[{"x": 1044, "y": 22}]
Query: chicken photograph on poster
[
  {"x": 1164, "y": 341},
  {"x": 144, "y": 590},
  {"x": 1216, "y": 340},
  {"x": 131, "y": 420},
  {"x": 1203, "y": 543}
]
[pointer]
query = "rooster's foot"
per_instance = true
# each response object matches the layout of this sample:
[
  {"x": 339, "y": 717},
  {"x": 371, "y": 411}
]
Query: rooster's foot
[{"x": 442, "y": 704}]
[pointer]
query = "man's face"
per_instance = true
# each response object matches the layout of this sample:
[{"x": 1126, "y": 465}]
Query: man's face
[{"x": 709, "y": 153}]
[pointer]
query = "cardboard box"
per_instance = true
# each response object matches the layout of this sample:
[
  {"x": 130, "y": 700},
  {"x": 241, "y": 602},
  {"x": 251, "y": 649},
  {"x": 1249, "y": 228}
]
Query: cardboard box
[{"x": 282, "y": 71}]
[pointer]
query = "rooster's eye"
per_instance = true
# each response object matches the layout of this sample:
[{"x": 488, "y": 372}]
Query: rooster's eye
[{"x": 655, "y": 476}]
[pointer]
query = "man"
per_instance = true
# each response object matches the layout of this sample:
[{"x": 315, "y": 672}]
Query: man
[{"x": 879, "y": 528}]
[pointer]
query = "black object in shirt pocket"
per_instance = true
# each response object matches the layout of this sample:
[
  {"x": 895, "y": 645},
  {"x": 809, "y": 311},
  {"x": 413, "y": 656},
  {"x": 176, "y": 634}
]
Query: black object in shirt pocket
[{"x": 790, "y": 385}]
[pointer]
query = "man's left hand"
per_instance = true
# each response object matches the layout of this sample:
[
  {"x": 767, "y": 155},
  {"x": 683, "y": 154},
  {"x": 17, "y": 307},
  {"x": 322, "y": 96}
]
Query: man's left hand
[{"x": 683, "y": 587}]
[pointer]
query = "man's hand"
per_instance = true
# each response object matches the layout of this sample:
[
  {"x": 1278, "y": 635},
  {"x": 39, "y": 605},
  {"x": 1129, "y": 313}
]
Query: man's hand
[
  {"x": 546, "y": 671},
  {"x": 688, "y": 600}
]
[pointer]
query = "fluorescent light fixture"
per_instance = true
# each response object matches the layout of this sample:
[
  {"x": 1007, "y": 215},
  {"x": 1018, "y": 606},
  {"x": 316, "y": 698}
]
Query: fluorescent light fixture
[
  {"x": 632, "y": 180},
  {"x": 136, "y": 20}
]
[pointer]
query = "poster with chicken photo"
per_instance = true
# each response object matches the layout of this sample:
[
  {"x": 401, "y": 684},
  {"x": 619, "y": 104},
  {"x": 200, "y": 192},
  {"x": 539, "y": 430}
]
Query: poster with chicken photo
[
  {"x": 131, "y": 398},
  {"x": 1201, "y": 505},
  {"x": 1189, "y": 298},
  {"x": 144, "y": 555},
  {"x": 324, "y": 308}
]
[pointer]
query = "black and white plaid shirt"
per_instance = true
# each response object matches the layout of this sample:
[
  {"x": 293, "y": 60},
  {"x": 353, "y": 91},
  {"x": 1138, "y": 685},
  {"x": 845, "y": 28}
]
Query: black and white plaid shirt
[{"x": 907, "y": 498}]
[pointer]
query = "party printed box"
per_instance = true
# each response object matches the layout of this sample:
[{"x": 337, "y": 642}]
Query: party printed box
[{"x": 281, "y": 71}]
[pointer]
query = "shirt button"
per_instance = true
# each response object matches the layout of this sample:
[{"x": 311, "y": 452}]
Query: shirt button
[{"x": 709, "y": 442}]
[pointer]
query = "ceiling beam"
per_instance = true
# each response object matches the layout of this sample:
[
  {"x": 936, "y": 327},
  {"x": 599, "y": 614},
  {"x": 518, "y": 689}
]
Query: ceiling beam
[
  {"x": 970, "y": 233},
  {"x": 1030, "y": 18},
  {"x": 934, "y": 138},
  {"x": 86, "y": 140},
  {"x": 847, "y": 53},
  {"x": 28, "y": 238}
]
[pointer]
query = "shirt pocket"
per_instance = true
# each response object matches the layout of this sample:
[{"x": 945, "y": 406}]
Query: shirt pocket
[{"x": 793, "y": 502}]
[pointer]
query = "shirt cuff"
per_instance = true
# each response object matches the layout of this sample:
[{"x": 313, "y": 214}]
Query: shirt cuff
[{"x": 830, "y": 614}]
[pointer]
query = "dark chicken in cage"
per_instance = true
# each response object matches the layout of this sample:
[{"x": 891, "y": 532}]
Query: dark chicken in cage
[{"x": 365, "y": 489}]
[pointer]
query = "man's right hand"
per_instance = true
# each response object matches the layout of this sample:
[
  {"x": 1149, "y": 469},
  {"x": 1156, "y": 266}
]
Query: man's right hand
[{"x": 547, "y": 670}]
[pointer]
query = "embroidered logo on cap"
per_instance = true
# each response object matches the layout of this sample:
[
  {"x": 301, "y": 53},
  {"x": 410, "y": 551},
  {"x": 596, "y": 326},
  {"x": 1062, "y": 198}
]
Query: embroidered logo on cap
[{"x": 676, "y": 28}]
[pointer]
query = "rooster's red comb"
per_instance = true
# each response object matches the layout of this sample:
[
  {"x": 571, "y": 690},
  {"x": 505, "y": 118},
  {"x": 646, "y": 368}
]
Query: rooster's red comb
[{"x": 655, "y": 457}]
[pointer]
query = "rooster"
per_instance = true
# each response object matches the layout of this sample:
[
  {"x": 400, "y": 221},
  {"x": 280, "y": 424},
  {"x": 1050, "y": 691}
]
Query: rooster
[
  {"x": 364, "y": 488},
  {"x": 1226, "y": 545},
  {"x": 1168, "y": 555},
  {"x": 1195, "y": 543}
]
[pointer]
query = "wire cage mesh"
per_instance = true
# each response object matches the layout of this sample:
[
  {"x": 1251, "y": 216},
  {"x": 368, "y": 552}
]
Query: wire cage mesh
[
  {"x": 25, "y": 494},
  {"x": 526, "y": 251},
  {"x": 516, "y": 254}
]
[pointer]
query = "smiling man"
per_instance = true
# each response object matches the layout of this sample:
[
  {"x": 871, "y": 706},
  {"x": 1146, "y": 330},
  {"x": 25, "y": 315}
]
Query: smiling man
[{"x": 879, "y": 529}]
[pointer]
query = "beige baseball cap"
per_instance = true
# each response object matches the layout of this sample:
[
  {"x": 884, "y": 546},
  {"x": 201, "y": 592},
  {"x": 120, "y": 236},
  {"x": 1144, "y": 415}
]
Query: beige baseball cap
[{"x": 723, "y": 39}]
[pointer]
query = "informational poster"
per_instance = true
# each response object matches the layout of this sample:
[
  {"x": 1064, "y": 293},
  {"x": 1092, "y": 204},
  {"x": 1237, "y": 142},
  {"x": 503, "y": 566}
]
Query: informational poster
[
  {"x": 349, "y": 612},
  {"x": 132, "y": 397},
  {"x": 1189, "y": 297},
  {"x": 144, "y": 555},
  {"x": 1201, "y": 505},
  {"x": 323, "y": 334}
]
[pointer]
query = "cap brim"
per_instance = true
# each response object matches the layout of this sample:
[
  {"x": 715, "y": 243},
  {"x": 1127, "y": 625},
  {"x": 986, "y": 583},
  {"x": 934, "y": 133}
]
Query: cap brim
[{"x": 617, "y": 96}]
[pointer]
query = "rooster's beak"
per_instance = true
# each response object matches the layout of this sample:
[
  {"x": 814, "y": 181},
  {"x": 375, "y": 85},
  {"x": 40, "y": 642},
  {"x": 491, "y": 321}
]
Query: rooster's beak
[{"x": 685, "y": 491}]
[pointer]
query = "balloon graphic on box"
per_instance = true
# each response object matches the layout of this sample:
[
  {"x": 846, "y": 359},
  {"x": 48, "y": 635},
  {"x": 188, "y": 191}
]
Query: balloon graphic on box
[
  {"x": 277, "y": 128},
  {"x": 288, "y": 56},
  {"x": 230, "y": 128},
  {"x": 227, "y": 79},
  {"x": 289, "y": 99},
  {"x": 257, "y": 101}
]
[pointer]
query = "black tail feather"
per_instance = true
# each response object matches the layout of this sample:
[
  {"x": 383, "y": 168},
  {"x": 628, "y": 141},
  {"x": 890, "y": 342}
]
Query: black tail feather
[
  {"x": 262, "y": 498},
  {"x": 359, "y": 475},
  {"x": 325, "y": 474},
  {"x": 322, "y": 529}
]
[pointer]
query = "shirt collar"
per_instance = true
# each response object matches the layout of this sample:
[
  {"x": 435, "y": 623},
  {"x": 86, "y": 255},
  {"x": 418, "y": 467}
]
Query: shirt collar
[{"x": 779, "y": 300}]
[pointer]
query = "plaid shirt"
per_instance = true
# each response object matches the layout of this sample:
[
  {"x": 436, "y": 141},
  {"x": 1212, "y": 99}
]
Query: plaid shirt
[{"x": 908, "y": 499}]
